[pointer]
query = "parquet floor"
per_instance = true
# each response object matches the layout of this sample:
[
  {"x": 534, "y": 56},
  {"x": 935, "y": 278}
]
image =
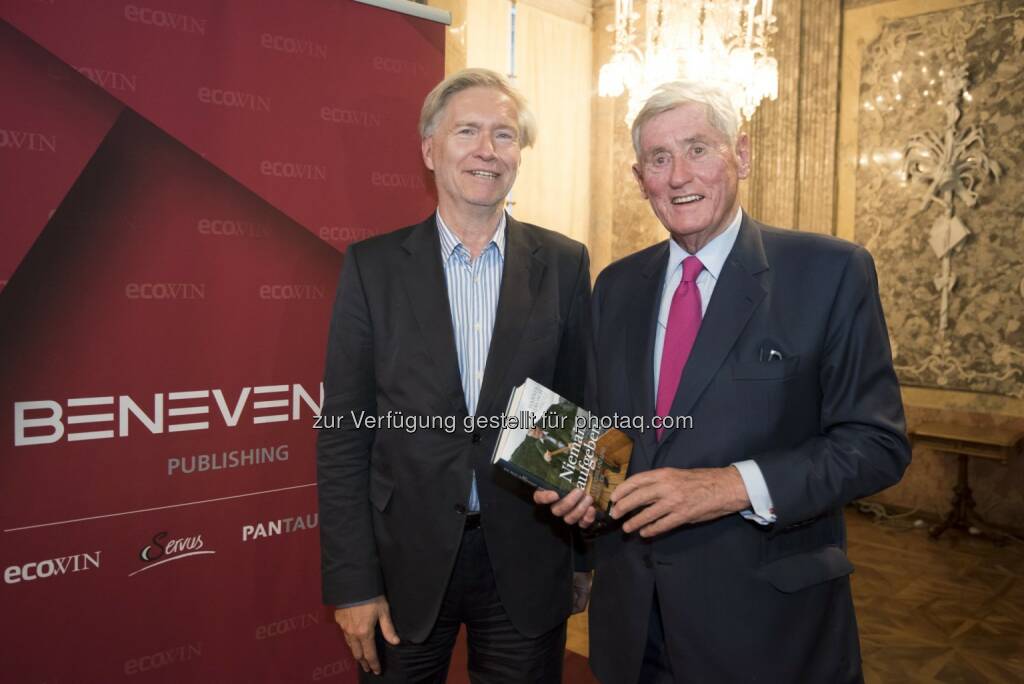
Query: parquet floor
[{"x": 949, "y": 611}]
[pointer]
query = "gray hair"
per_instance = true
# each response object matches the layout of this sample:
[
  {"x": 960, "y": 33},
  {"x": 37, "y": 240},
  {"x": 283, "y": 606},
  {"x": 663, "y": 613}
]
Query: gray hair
[
  {"x": 722, "y": 115},
  {"x": 437, "y": 99}
]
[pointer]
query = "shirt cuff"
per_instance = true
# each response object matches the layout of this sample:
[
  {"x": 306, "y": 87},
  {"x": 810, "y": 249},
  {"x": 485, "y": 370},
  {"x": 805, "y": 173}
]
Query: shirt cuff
[{"x": 761, "y": 510}]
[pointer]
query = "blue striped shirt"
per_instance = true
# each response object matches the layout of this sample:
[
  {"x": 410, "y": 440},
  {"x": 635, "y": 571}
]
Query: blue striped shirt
[{"x": 473, "y": 288}]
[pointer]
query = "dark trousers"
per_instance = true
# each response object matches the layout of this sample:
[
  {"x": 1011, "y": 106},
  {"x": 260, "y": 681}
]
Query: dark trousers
[
  {"x": 498, "y": 653},
  {"x": 656, "y": 667}
]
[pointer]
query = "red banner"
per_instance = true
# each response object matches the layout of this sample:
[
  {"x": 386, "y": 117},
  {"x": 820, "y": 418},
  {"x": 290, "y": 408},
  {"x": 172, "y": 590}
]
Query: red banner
[{"x": 178, "y": 181}]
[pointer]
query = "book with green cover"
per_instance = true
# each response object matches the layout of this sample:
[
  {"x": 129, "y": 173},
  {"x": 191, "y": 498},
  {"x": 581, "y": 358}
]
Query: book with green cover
[{"x": 554, "y": 444}]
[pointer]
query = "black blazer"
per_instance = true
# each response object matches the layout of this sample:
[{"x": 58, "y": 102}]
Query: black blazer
[
  {"x": 741, "y": 602},
  {"x": 392, "y": 503}
]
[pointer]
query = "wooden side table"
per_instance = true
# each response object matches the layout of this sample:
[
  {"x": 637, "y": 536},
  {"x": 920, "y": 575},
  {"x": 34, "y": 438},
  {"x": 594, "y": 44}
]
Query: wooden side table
[{"x": 967, "y": 442}]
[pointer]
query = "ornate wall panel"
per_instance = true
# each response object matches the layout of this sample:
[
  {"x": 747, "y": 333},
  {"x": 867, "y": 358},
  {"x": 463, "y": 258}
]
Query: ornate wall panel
[{"x": 940, "y": 193}]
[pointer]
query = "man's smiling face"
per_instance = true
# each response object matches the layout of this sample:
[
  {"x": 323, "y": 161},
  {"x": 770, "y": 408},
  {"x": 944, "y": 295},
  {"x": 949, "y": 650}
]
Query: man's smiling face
[
  {"x": 474, "y": 150},
  {"x": 690, "y": 174}
]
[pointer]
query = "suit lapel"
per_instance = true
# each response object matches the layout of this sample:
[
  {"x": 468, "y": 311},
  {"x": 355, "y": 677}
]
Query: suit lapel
[
  {"x": 520, "y": 285},
  {"x": 737, "y": 293},
  {"x": 425, "y": 285},
  {"x": 640, "y": 334}
]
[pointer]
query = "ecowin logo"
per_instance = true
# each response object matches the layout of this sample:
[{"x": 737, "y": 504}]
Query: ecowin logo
[{"x": 53, "y": 567}]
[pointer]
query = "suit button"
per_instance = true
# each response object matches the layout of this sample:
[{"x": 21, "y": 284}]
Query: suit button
[
  {"x": 476, "y": 438},
  {"x": 647, "y": 561},
  {"x": 460, "y": 509}
]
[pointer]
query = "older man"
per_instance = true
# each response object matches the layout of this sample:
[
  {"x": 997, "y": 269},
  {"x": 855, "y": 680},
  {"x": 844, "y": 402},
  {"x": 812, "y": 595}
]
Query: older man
[
  {"x": 419, "y": 533},
  {"x": 730, "y": 563}
]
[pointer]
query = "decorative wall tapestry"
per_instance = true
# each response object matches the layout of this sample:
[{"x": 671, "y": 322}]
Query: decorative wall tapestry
[{"x": 940, "y": 193}]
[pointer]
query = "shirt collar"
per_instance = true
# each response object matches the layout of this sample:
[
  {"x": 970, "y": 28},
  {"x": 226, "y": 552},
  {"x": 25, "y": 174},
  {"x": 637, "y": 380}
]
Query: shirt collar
[
  {"x": 450, "y": 241},
  {"x": 713, "y": 254}
]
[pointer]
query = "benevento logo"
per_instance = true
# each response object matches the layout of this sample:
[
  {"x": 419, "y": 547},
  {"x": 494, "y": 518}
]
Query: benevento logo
[
  {"x": 46, "y": 421},
  {"x": 162, "y": 550}
]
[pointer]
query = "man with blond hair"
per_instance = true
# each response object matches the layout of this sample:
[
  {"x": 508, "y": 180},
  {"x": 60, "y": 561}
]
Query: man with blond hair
[
  {"x": 419, "y": 533},
  {"x": 730, "y": 563}
]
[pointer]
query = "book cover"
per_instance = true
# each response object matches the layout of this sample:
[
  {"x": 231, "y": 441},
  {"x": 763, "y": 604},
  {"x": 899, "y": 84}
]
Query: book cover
[{"x": 551, "y": 443}]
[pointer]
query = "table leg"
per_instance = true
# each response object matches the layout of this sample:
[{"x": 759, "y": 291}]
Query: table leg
[
  {"x": 962, "y": 514},
  {"x": 958, "y": 508}
]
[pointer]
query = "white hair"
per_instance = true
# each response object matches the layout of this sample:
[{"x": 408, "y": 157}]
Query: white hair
[{"x": 722, "y": 114}]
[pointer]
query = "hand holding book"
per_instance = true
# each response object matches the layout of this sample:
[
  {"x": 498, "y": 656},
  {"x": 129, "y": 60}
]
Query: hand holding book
[
  {"x": 560, "y": 447},
  {"x": 575, "y": 508}
]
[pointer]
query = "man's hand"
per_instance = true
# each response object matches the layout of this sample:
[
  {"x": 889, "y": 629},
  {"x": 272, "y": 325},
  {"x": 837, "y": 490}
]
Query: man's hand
[
  {"x": 574, "y": 507},
  {"x": 666, "y": 498},
  {"x": 359, "y": 624},
  {"x": 581, "y": 582}
]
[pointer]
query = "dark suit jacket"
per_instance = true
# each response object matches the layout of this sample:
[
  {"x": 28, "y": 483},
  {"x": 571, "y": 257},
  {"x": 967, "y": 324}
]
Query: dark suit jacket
[
  {"x": 741, "y": 602},
  {"x": 393, "y": 504}
]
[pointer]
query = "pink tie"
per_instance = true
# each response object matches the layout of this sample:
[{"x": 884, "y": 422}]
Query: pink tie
[{"x": 683, "y": 323}]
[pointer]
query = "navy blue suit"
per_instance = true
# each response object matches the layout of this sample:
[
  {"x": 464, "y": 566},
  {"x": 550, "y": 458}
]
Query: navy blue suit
[{"x": 742, "y": 602}]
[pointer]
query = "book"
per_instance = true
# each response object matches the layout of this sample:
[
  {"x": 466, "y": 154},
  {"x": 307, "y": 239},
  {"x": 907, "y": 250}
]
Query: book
[{"x": 549, "y": 442}]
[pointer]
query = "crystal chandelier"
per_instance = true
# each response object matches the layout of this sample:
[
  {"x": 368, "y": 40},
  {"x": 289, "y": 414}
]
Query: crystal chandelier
[{"x": 721, "y": 40}]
